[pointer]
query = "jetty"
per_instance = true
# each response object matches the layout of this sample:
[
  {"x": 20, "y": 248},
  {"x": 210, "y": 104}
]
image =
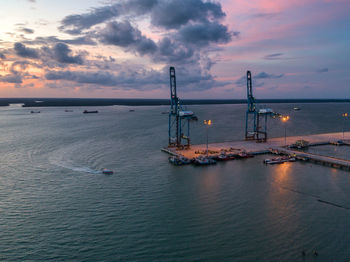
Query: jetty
[{"x": 279, "y": 145}]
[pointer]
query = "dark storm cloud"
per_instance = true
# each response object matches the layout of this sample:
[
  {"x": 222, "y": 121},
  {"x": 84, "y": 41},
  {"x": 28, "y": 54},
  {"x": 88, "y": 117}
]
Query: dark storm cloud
[
  {"x": 11, "y": 78},
  {"x": 193, "y": 78},
  {"x": 167, "y": 14},
  {"x": 56, "y": 56},
  {"x": 322, "y": 70},
  {"x": 23, "y": 51},
  {"x": 138, "y": 6},
  {"x": 195, "y": 30},
  {"x": 62, "y": 54},
  {"x": 129, "y": 80},
  {"x": 175, "y": 13},
  {"x": 173, "y": 51},
  {"x": 82, "y": 40},
  {"x": 26, "y": 30},
  {"x": 74, "y": 24},
  {"x": 125, "y": 35},
  {"x": 197, "y": 22},
  {"x": 205, "y": 33}
]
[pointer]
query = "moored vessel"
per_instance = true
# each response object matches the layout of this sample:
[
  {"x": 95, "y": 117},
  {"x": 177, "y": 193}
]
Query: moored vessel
[
  {"x": 179, "y": 160},
  {"x": 202, "y": 161},
  {"x": 279, "y": 160}
]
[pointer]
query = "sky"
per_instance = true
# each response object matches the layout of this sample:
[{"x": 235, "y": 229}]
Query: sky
[{"x": 124, "y": 48}]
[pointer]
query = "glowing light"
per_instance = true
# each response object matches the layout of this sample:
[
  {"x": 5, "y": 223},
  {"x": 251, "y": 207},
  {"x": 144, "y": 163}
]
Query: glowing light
[
  {"x": 207, "y": 122},
  {"x": 285, "y": 118}
]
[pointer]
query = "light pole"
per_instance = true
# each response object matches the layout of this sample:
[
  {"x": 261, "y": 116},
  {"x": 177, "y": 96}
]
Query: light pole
[
  {"x": 207, "y": 123},
  {"x": 284, "y": 120},
  {"x": 344, "y": 115}
]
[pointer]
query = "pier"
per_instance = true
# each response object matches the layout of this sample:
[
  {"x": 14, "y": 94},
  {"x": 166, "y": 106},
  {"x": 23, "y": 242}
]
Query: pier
[{"x": 277, "y": 145}]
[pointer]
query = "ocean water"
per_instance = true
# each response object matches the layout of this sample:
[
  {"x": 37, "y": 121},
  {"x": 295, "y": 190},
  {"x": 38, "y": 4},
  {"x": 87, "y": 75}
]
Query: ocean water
[{"x": 56, "y": 205}]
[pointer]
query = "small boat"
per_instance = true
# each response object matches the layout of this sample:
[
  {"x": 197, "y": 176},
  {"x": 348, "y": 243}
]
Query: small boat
[
  {"x": 279, "y": 160},
  {"x": 339, "y": 143},
  {"x": 201, "y": 161},
  {"x": 244, "y": 155},
  {"x": 34, "y": 112},
  {"x": 296, "y": 108},
  {"x": 224, "y": 157},
  {"x": 179, "y": 160},
  {"x": 165, "y": 113},
  {"x": 131, "y": 110},
  {"x": 90, "y": 112},
  {"x": 300, "y": 144},
  {"x": 107, "y": 171},
  {"x": 68, "y": 110}
]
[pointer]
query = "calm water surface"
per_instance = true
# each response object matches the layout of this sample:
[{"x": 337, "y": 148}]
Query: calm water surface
[{"x": 55, "y": 205}]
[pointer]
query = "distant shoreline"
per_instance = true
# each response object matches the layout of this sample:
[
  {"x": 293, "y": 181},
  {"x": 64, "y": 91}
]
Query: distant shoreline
[{"x": 70, "y": 102}]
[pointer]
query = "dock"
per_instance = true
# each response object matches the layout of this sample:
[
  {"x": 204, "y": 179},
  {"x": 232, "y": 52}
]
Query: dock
[{"x": 277, "y": 145}]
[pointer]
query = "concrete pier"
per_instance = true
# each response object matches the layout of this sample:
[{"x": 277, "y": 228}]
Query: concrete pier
[{"x": 273, "y": 145}]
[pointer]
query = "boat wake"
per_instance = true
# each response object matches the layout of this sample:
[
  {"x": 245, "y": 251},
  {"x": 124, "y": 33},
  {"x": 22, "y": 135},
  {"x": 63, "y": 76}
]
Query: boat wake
[
  {"x": 82, "y": 169},
  {"x": 63, "y": 158}
]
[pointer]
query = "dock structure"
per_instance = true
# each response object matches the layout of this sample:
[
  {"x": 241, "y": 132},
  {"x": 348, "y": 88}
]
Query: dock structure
[
  {"x": 277, "y": 145},
  {"x": 317, "y": 159}
]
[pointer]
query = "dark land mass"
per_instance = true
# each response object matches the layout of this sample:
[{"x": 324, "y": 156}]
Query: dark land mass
[{"x": 46, "y": 102}]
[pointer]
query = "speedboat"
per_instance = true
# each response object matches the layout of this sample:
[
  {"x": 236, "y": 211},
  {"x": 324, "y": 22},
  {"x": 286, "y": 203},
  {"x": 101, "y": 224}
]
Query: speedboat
[
  {"x": 34, "y": 112},
  {"x": 107, "y": 171},
  {"x": 90, "y": 112}
]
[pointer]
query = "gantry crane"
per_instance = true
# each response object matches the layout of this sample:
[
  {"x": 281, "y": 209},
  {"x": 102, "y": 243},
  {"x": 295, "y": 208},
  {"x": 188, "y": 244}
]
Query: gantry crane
[
  {"x": 256, "y": 119},
  {"x": 179, "y": 120}
]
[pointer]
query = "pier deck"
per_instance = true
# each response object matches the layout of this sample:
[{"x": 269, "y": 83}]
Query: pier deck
[
  {"x": 318, "y": 159},
  {"x": 272, "y": 145}
]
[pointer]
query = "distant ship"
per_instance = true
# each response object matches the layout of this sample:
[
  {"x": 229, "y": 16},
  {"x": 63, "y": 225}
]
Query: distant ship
[
  {"x": 68, "y": 110},
  {"x": 34, "y": 112},
  {"x": 90, "y": 112},
  {"x": 296, "y": 108}
]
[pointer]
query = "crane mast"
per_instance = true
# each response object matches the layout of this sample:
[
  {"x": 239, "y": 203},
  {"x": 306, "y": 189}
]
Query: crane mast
[
  {"x": 256, "y": 118},
  {"x": 179, "y": 120}
]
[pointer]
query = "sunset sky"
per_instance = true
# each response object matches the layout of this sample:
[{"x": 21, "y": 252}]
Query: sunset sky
[{"x": 123, "y": 49}]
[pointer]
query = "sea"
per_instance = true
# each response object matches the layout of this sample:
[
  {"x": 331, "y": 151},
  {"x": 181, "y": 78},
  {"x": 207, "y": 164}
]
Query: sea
[{"x": 56, "y": 205}]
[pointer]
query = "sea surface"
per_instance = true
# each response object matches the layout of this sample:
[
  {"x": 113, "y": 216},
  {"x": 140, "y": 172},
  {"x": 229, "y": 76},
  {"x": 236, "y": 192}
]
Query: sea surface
[{"x": 56, "y": 205}]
